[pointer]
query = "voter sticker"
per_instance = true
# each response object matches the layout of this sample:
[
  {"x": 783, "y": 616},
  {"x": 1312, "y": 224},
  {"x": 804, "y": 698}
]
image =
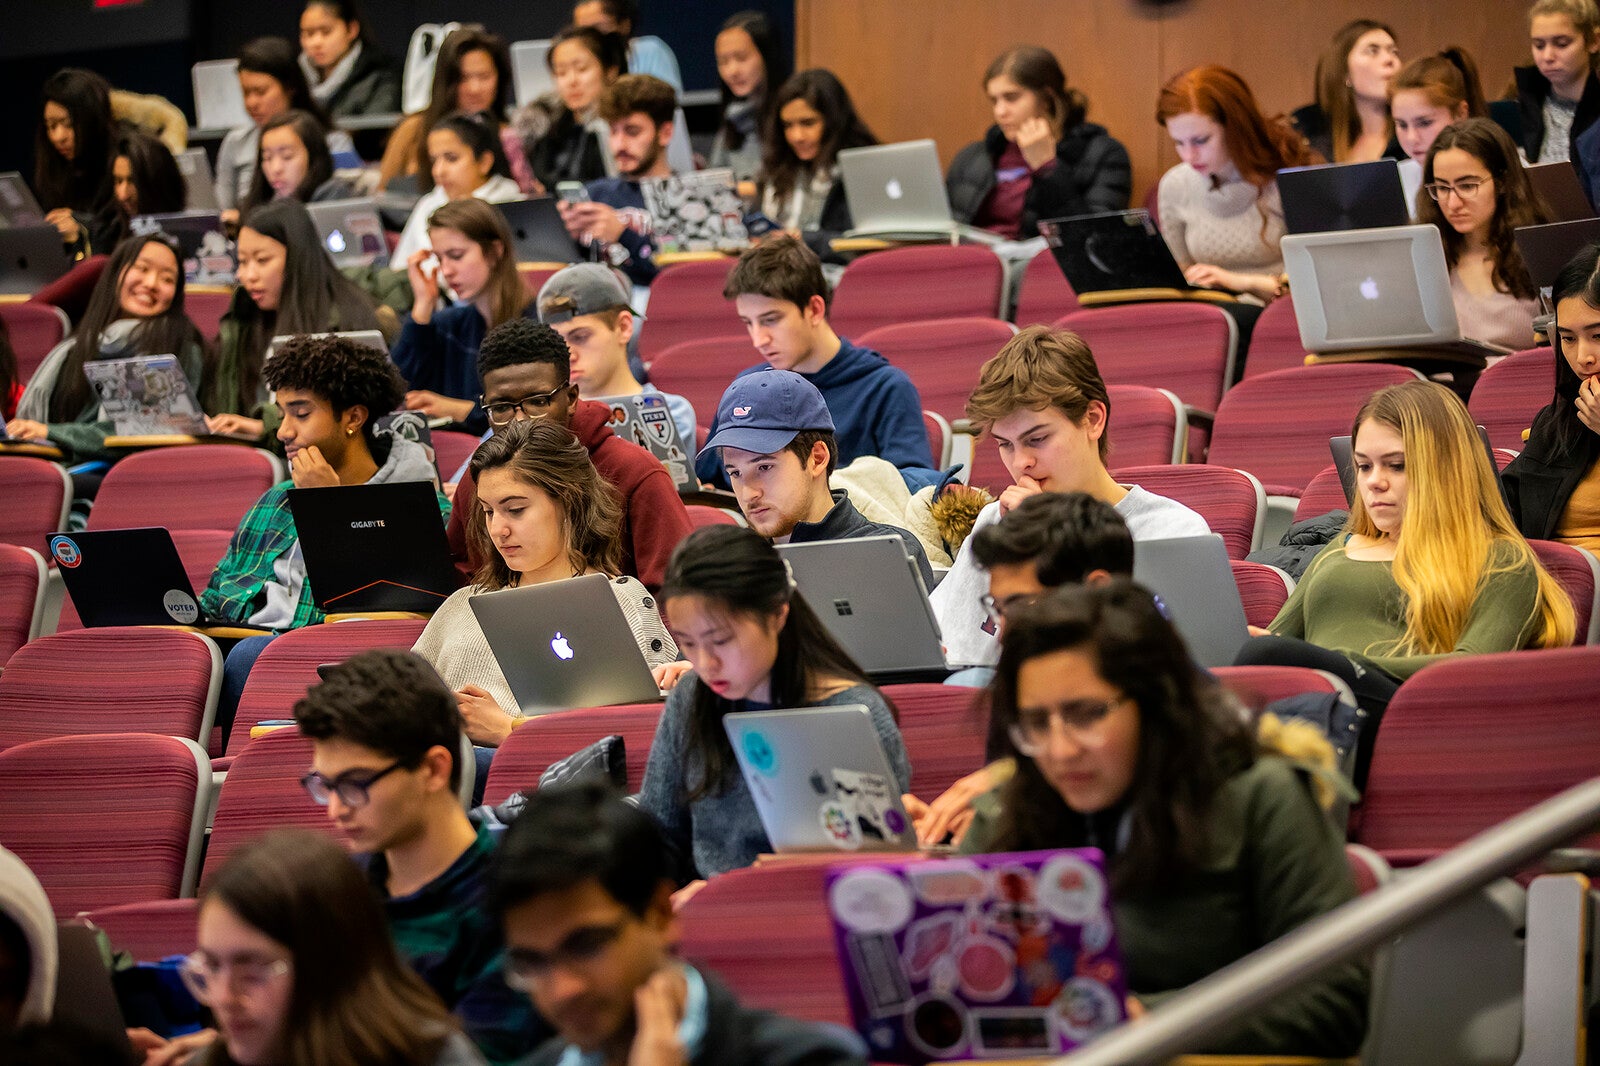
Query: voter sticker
[{"x": 180, "y": 607}]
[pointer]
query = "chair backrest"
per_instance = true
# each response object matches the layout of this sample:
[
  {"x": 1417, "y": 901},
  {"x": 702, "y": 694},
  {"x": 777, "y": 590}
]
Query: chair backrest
[
  {"x": 37, "y": 495},
  {"x": 199, "y": 549},
  {"x": 534, "y": 275},
  {"x": 1186, "y": 347},
  {"x": 1257, "y": 686},
  {"x": 1578, "y": 572},
  {"x": 1275, "y": 340},
  {"x": 1231, "y": 501},
  {"x": 700, "y": 370},
  {"x": 1466, "y": 743},
  {"x": 1277, "y": 425},
  {"x": 1148, "y": 426},
  {"x": 702, "y": 515},
  {"x": 34, "y": 329},
  {"x": 1263, "y": 590},
  {"x": 262, "y": 791},
  {"x": 289, "y": 664},
  {"x": 1507, "y": 395},
  {"x": 685, "y": 304},
  {"x": 116, "y": 679},
  {"x": 540, "y": 741},
  {"x": 205, "y": 305},
  {"x": 944, "y": 728},
  {"x": 199, "y": 486},
  {"x": 939, "y": 437},
  {"x": 902, "y": 284},
  {"x": 451, "y": 448},
  {"x": 1322, "y": 494},
  {"x": 106, "y": 819},
  {"x": 942, "y": 355},
  {"x": 1045, "y": 295},
  {"x": 22, "y": 584}
]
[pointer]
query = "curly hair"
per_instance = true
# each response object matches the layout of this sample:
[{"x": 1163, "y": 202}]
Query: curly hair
[
  {"x": 339, "y": 370},
  {"x": 522, "y": 341}
]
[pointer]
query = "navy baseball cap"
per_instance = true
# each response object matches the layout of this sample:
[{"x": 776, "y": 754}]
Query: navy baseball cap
[{"x": 763, "y": 411}]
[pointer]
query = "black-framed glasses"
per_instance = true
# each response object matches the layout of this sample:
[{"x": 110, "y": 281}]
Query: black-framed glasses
[
  {"x": 997, "y": 610},
  {"x": 352, "y": 786},
  {"x": 581, "y": 948},
  {"x": 533, "y": 406},
  {"x": 1080, "y": 718},
  {"x": 1467, "y": 189}
]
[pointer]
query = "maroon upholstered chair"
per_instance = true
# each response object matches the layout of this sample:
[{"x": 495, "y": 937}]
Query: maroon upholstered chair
[
  {"x": 1275, "y": 340},
  {"x": 540, "y": 741},
  {"x": 1045, "y": 293},
  {"x": 944, "y": 728},
  {"x": 22, "y": 582},
  {"x": 1257, "y": 686},
  {"x": 1231, "y": 501},
  {"x": 1263, "y": 590},
  {"x": 1507, "y": 395},
  {"x": 686, "y": 304},
  {"x": 1322, "y": 494},
  {"x": 701, "y": 515},
  {"x": 37, "y": 494},
  {"x": 701, "y": 369},
  {"x": 451, "y": 448},
  {"x": 152, "y": 930},
  {"x": 205, "y": 305},
  {"x": 34, "y": 329},
  {"x": 1578, "y": 572},
  {"x": 197, "y": 486},
  {"x": 915, "y": 283},
  {"x": 199, "y": 549},
  {"x": 942, "y": 355}
]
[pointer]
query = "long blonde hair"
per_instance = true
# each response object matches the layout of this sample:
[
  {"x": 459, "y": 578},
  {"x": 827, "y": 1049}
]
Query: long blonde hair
[{"x": 1457, "y": 533}]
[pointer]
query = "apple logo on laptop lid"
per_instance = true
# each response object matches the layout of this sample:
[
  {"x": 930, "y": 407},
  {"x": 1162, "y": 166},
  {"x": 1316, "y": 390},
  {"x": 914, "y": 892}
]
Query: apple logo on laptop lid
[
  {"x": 894, "y": 189},
  {"x": 562, "y": 646}
]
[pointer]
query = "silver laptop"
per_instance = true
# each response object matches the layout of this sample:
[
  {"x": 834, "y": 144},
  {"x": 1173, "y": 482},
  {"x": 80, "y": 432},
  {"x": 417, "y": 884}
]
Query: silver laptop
[
  {"x": 146, "y": 396},
  {"x": 698, "y": 211},
  {"x": 199, "y": 185},
  {"x": 1193, "y": 584},
  {"x": 351, "y": 231},
  {"x": 869, "y": 594},
  {"x": 1375, "y": 288},
  {"x": 646, "y": 420},
  {"x": 369, "y": 338},
  {"x": 530, "y": 70},
  {"x": 18, "y": 208},
  {"x": 218, "y": 100},
  {"x": 565, "y": 644},
  {"x": 897, "y": 190},
  {"x": 820, "y": 779}
]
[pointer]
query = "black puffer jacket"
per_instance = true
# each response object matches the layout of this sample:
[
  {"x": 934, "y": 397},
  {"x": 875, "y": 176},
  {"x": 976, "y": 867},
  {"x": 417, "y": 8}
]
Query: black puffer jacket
[
  {"x": 1092, "y": 173},
  {"x": 373, "y": 87}
]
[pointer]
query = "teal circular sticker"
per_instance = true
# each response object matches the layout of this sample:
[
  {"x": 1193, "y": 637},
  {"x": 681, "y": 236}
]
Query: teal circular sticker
[
  {"x": 65, "y": 552},
  {"x": 763, "y": 760}
]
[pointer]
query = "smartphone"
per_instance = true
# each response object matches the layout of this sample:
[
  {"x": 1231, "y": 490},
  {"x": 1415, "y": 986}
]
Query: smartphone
[
  {"x": 757, "y": 224},
  {"x": 572, "y": 192}
]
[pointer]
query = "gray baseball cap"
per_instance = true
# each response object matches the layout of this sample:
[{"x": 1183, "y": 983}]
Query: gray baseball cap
[{"x": 582, "y": 289}]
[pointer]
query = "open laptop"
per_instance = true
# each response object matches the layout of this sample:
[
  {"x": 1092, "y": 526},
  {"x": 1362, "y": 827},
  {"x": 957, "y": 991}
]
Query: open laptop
[
  {"x": 646, "y": 420},
  {"x": 981, "y": 957},
  {"x": 537, "y": 233},
  {"x": 1547, "y": 249},
  {"x": 1343, "y": 196},
  {"x": 820, "y": 779},
  {"x": 1375, "y": 289},
  {"x": 697, "y": 211},
  {"x": 530, "y": 70},
  {"x": 370, "y": 338},
  {"x": 86, "y": 1000},
  {"x": 1193, "y": 582},
  {"x": 18, "y": 208},
  {"x": 351, "y": 232},
  {"x": 146, "y": 395},
  {"x": 126, "y": 577},
  {"x": 1113, "y": 251},
  {"x": 31, "y": 258},
  {"x": 208, "y": 255},
  {"x": 218, "y": 99},
  {"x": 374, "y": 547},
  {"x": 565, "y": 644},
  {"x": 1558, "y": 186},
  {"x": 200, "y": 187},
  {"x": 897, "y": 190}
]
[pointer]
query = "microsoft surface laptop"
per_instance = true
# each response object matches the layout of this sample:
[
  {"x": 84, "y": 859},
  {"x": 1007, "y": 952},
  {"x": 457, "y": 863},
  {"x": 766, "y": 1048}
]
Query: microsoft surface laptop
[
  {"x": 200, "y": 187},
  {"x": 565, "y": 644},
  {"x": 218, "y": 99},
  {"x": 126, "y": 577},
  {"x": 537, "y": 233},
  {"x": 1193, "y": 582},
  {"x": 646, "y": 420},
  {"x": 18, "y": 208},
  {"x": 898, "y": 190},
  {"x": 1343, "y": 196},
  {"x": 31, "y": 258},
  {"x": 374, "y": 547},
  {"x": 351, "y": 232},
  {"x": 1558, "y": 186},
  {"x": 1112, "y": 251},
  {"x": 146, "y": 395}
]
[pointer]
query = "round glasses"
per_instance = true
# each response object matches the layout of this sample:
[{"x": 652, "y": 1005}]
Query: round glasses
[
  {"x": 204, "y": 977},
  {"x": 352, "y": 786},
  {"x": 1080, "y": 719}
]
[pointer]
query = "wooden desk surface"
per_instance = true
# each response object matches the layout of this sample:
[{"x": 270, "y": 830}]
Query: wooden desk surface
[{"x": 33, "y": 449}]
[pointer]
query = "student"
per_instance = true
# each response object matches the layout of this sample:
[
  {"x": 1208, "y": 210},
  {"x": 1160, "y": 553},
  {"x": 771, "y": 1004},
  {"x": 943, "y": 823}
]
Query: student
[
  {"x": 293, "y": 162},
  {"x": 1350, "y": 122},
  {"x": 1220, "y": 211},
  {"x": 526, "y": 372},
  {"x": 1478, "y": 194},
  {"x": 472, "y": 74},
  {"x": 813, "y": 120},
  {"x": 544, "y": 514},
  {"x": 1040, "y": 159},
  {"x": 136, "y": 309},
  {"x": 466, "y": 160},
  {"x": 295, "y": 963},
  {"x": 778, "y": 454},
  {"x": 639, "y": 110},
  {"x": 779, "y": 292},
  {"x": 29, "y": 954},
  {"x": 346, "y": 74},
  {"x": 72, "y": 156},
  {"x": 1215, "y": 843},
  {"x": 588, "y": 305},
  {"x": 1559, "y": 93},
  {"x": 583, "y": 885},
  {"x": 565, "y": 139},
  {"x": 287, "y": 284},
  {"x": 385, "y": 761},
  {"x": 754, "y": 644},
  {"x": 646, "y": 55},
  {"x": 471, "y": 252},
  {"x": 1044, "y": 403},
  {"x": 145, "y": 179},
  {"x": 1426, "y": 96},
  {"x": 750, "y": 66}
]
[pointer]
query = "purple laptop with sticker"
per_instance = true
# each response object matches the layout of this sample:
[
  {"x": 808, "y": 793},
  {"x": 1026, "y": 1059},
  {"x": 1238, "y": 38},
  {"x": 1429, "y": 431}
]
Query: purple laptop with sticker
[{"x": 980, "y": 957}]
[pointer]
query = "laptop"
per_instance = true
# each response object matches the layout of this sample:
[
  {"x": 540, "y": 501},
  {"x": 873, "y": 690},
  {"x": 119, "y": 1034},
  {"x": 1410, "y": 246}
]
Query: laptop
[
  {"x": 897, "y": 190},
  {"x": 981, "y": 957},
  {"x": 646, "y": 420},
  {"x": 146, "y": 396},
  {"x": 869, "y": 594},
  {"x": 1547, "y": 249},
  {"x": 530, "y": 70},
  {"x": 565, "y": 644},
  {"x": 18, "y": 208},
  {"x": 218, "y": 99},
  {"x": 200, "y": 187},
  {"x": 1193, "y": 584},
  {"x": 1373, "y": 289},
  {"x": 374, "y": 547},
  {"x": 370, "y": 338},
  {"x": 1343, "y": 196},
  {"x": 207, "y": 252},
  {"x": 698, "y": 211},
  {"x": 351, "y": 232},
  {"x": 31, "y": 258},
  {"x": 1558, "y": 186},
  {"x": 537, "y": 233},
  {"x": 1113, "y": 251},
  {"x": 86, "y": 1000},
  {"x": 126, "y": 577},
  {"x": 820, "y": 779}
]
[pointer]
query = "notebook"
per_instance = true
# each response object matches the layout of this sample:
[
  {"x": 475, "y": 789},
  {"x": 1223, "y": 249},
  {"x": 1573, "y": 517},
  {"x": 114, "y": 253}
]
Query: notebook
[
  {"x": 1112, "y": 251},
  {"x": 146, "y": 395},
  {"x": 31, "y": 258},
  {"x": 218, "y": 99},
  {"x": 1373, "y": 289},
  {"x": 530, "y": 70},
  {"x": 1193, "y": 584},
  {"x": 207, "y": 252},
  {"x": 565, "y": 644},
  {"x": 18, "y": 208},
  {"x": 126, "y": 577},
  {"x": 646, "y": 420},
  {"x": 990, "y": 956},
  {"x": 537, "y": 233},
  {"x": 820, "y": 779},
  {"x": 1558, "y": 186},
  {"x": 374, "y": 547},
  {"x": 898, "y": 190},
  {"x": 200, "y": 188},
  {"x": 351, "y": 232},
  {"x": 1343, "y": 196},
  {"x": 697, "y": 211}
]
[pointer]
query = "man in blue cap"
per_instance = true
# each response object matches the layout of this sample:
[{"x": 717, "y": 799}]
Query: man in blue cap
[{"x": 776, "y": 443}]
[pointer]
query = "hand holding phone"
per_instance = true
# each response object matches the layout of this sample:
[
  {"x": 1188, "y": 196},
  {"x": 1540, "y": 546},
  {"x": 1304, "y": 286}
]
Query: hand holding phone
[{"x": 572, "y": 192}]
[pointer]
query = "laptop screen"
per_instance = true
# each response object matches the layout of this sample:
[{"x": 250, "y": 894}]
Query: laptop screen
[{"x": 1369, "y": 290}]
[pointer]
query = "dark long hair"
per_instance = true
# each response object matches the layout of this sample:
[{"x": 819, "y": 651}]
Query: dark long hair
[
  {"x": 319, "y": 164},
  {"x": 480, "y": 133},
  {"x": 82, "y": 183},
  {"x": 1334, "y": 93},
  {"x": 745, "y": 575},
  {"x": 773, "y": 57},
  {"x": 842, "y": 128},
  {"x": 171, "y": 331},
  {"x": 1192, "y": 736},
  {"x": 1037, "y": 70},
  {"x": 1567, "y": 435},
  {"x": 157, "y": 182},
  {"x": 447, "y": 80},
  {"x": 280, "y": 60}
]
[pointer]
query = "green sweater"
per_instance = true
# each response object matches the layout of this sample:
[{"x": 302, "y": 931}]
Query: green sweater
[
  {"x": 1353, "y": 606},
  {"x": 1275, "y": 862}
]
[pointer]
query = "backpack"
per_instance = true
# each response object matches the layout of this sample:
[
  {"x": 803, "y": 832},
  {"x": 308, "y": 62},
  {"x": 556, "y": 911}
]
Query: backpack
[{"x": 416, "y": 82}]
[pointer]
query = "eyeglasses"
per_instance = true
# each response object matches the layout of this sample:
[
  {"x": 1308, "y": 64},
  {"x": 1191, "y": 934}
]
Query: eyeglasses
[
  {"x": 1466, "y": 189},
  {"x": 533, "y": 406},
  {"x": 204, "y": 977},
  {"x": 998, "y": 609},
  {"x": 524, "y": 966},
  {"x": 352, "y": 786},
  {"x": 1081, "y": 719}
]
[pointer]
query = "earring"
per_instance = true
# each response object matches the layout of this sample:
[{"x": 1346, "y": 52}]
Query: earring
[{"x": 349, "y": 432}]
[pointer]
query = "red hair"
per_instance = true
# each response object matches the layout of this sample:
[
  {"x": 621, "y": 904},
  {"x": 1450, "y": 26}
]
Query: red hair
[{"x": 1258, "y": 146}]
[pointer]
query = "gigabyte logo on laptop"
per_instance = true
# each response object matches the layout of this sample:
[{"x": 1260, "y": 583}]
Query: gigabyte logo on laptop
[
  {"x": 741, "y": 412},
  {"x": 371, "y": 523}
]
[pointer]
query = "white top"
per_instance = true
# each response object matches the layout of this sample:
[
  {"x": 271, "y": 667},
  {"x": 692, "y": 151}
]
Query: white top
[
  {"x": 1221, "y": 224},
  {"x": 956, "y": 602},
  {"x": 1411, "y": 184},
  {"x": 497, "y": 190}
]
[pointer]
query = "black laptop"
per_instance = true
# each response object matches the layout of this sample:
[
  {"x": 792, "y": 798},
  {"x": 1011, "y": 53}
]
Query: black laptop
[
  {"x": 31, "y": 257},
  {"x": 1341, "y": 196},
  {"x": 537, "y": 233},
  {"x": 1547, "y": 249},
  {"x": 126, "y": 577},
  {"x": 1558, "y": 186},
  {"x": 374, "y": 547},
  {"x": 1112, "y": 251}
]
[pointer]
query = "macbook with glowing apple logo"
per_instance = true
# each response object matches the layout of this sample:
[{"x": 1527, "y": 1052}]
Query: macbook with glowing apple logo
[{"x": 351, "y": 231}]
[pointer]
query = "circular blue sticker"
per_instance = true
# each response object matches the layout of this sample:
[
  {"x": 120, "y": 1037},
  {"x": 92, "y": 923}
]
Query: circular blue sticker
[
  {"x": 65, "y": 552},
  {"x": 763, "y": 760}
]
